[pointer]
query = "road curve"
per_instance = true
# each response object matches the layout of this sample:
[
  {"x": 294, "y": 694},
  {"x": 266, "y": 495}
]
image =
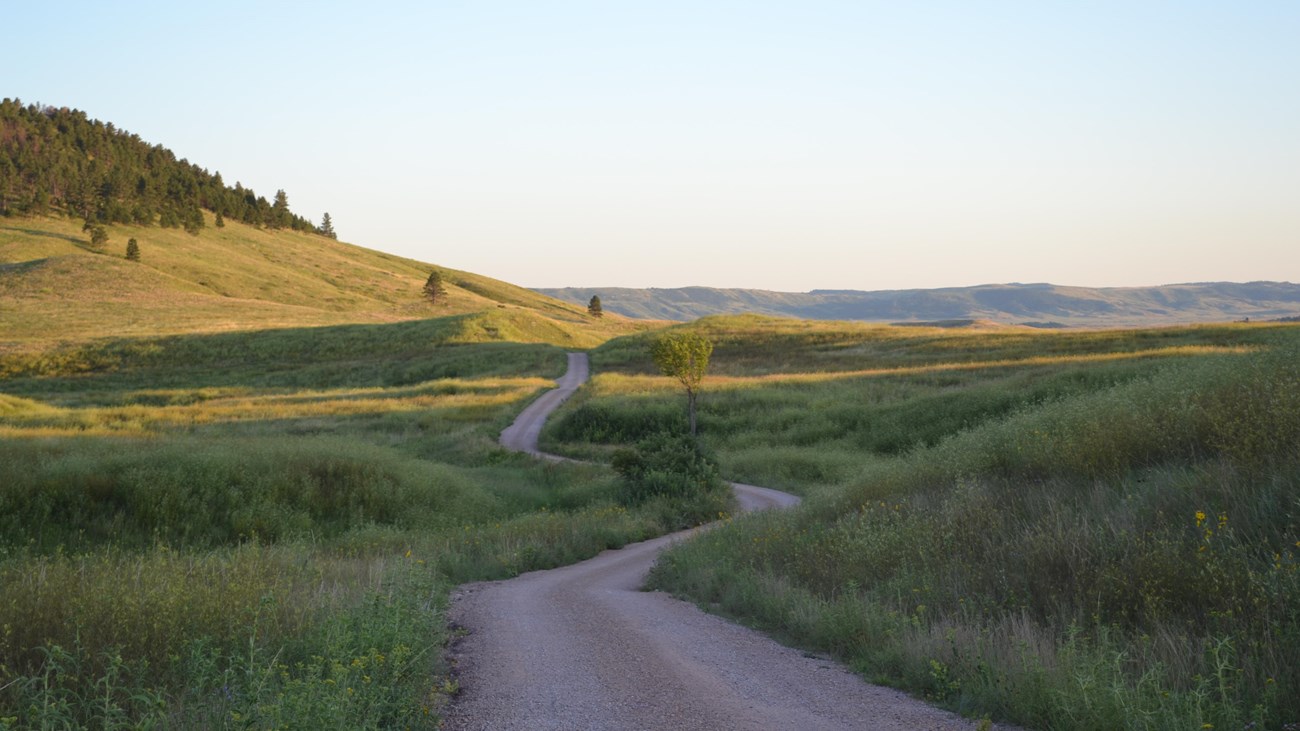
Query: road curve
[
  {"x": 521, "y": 436},
  {"x": 582, "y": 647}
]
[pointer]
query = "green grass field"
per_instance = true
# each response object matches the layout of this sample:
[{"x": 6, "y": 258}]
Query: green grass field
[
  {"x": 238, "y": 480},
  {"x": 1068, "y": 530},
  {"x": 240, "y": 549}
]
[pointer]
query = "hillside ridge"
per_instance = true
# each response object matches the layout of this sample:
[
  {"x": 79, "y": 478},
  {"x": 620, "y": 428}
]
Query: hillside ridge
[
  {"x": 1036, "y": 304},
  {"x": 53, "y": 280},
  {"x": 104, "y": 235}
]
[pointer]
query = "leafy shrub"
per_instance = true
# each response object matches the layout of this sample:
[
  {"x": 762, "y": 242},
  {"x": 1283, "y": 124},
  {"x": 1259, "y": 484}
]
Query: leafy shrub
[
  {"x": 666, "y": 466},
  {"x": 674, "y": 481}
]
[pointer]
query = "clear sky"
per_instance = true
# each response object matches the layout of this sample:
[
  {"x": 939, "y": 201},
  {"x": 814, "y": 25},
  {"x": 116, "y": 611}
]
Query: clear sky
[{"x": 780, "y": 145}]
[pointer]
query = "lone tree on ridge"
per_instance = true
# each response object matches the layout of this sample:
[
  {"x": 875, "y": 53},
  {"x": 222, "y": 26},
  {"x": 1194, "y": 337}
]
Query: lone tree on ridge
[
  {"x": 326, "y": 227},
  {"x": 684, "y": 356},
  {"x": 433, "y": 288},
  {"x": 593, "y": 307},
  {"x": 132, "y": 250}
]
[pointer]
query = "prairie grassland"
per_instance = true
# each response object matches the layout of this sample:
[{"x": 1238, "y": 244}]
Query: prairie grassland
[
  {"x": 1066, "y": 530},
  {"x": 752, "y": 345},
  {"x": 260, "y": 529}
]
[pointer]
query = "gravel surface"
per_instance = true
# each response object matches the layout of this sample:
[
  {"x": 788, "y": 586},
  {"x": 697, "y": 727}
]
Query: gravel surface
[
  {"x": 582, "y": 647},
  {"x": 521, "y": 436}
]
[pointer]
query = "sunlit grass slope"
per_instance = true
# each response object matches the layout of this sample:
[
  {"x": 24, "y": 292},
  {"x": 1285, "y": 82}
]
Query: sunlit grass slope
[
  {"x": 1069, "y": 530},
  {"x": 53, "y": 283}
]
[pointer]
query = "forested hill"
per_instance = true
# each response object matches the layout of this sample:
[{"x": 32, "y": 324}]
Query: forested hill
[
  {"x": 59, "y": 159},
  {"x": 1041, "y": 305}
]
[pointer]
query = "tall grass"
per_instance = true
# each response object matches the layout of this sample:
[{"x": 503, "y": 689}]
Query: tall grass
[
  {"x": 1074, "y": 544},
  {"x": 828, "y": 426},
  {"x": 261, "y": 529},
  {"x": 255, "y": 636},
  {"x": 751, "y": 345},
  {"x": 80, "y": 493}
]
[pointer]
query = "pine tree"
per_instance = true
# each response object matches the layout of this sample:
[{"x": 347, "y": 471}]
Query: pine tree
[
  {"x": 193, "y": 221},
  {"x": 279, "y": 210},
  {"x": 132, "y": 250},
  {"x": 60, "y": 159},
  {"x": 433, "y": 288},
  {"x": 221, "y": 221},
  {"x": 98, "y": 236},
  {"x": 327, "y": 227},
  {"x": 593, "y": 307}
]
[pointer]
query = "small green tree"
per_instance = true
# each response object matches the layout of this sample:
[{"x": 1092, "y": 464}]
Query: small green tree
[
  {"x": 593, "y": 307},
  {"x": 684, "y": 356},
  {"x": 221, "y": 220},
  {"x": 132, "y": 250},
  {"x": 192, "y": 220},
  {"x": 433, "y": 288},
  {"x": 327, "y": 226},
  {"x": 98, "y": 236}
]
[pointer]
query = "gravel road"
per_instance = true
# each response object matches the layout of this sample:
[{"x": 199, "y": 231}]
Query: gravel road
[
  {"x": 521, "y": 436},
  {"x": 582, "y": 647}
]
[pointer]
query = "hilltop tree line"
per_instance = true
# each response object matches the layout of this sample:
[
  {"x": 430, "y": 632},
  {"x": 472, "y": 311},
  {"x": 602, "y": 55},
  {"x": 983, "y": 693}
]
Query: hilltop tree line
[{"x": 58, "y": 159}]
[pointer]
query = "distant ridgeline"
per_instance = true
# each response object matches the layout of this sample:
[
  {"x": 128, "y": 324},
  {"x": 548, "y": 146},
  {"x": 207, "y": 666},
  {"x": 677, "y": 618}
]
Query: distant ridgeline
[
  {"x": 61, "y": 160},
  {"x": 1034, "y": 305}
]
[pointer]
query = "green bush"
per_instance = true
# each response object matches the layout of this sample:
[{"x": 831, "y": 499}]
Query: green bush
[
  {"x": 666, "y": 465},
  {"x": 673, "y": 477}
]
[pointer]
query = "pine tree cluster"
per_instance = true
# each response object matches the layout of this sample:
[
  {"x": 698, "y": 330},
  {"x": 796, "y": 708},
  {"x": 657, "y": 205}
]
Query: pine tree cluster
[{"x": 61, "y": 160}]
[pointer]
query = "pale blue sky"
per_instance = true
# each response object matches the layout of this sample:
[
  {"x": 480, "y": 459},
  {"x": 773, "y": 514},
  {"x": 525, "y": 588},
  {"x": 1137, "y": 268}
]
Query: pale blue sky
[{"x": 794, "y": 145}]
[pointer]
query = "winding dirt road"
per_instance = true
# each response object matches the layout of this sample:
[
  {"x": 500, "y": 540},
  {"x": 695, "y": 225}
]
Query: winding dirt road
[
  {"x": 582, "y": 647},
  {"x": 521, "y": 436}
]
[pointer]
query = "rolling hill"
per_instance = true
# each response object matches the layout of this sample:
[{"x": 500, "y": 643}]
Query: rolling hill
[
  {"x": 54, "y": 285},
  {"x": 1041, "y": 305},
  {"x": 75, "y": 190}
]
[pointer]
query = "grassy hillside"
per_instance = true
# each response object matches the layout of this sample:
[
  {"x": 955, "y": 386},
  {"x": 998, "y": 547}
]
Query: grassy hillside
[
  {"x": 1071, "y": 530},
  {"x": 53, "y": 283},
  {"x": 1042, "y": 305}
]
